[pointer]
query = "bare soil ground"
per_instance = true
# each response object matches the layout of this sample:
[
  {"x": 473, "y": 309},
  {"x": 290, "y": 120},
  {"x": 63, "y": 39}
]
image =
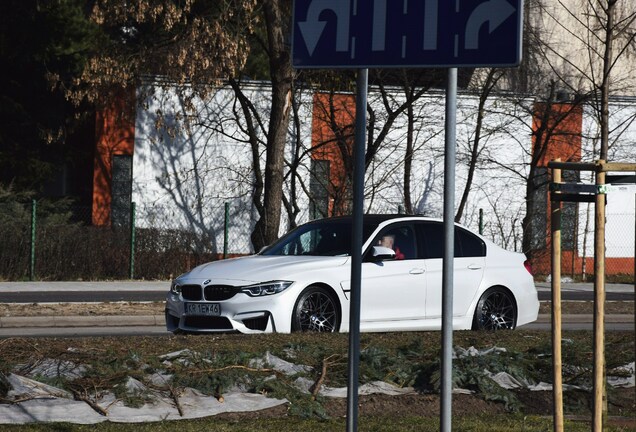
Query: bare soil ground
[
  {"x": 428, "y": 405},
  {"x": 156, "y": 308}
]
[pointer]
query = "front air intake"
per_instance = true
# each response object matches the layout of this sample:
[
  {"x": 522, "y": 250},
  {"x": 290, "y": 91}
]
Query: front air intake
[
  {"x": 259, "y": 323},
  {"x": 208, "y": 323}
]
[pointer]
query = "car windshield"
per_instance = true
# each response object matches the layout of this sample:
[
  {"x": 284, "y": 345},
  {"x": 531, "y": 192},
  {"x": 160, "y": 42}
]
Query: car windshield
[{"x": 319, "y": 238}]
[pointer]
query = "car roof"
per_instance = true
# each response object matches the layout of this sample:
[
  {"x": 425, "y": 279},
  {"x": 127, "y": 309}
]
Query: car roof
[{"x": 377, "y": 219}]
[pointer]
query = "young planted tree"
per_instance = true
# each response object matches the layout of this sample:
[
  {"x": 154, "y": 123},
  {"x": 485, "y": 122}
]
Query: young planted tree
[
  {"x": 587, "y": 47},
  {"x": 597, "y": 58},
  {"x": 573, "y": 52}
]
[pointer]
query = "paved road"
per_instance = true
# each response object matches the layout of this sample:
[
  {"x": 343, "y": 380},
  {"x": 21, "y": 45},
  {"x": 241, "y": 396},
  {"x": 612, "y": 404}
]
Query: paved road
[
  {"x": 63, "y": 292},
  {"x": 585, "y": 291},
  {"x": 81, "y": 292},
  {"x": 82, "y": 296}
]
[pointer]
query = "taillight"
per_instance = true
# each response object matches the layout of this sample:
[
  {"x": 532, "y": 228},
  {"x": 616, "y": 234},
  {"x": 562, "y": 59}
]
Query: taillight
[{"x": 528, "y": 266}]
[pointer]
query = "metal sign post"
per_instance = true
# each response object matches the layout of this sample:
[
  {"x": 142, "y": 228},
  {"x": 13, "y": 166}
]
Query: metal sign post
[
  {"x": 389, "y": 34},
  {"x": 449, "y": 253},
  {"x": 356, "y": 249}
]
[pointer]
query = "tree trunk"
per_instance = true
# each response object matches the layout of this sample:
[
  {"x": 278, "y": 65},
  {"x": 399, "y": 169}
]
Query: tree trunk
[
  {"x": 541, "y": 138},
  {"x": 605, "y": 84},
  {"x": 408, "y": 162},
  {"x": 267, "y": 227}
]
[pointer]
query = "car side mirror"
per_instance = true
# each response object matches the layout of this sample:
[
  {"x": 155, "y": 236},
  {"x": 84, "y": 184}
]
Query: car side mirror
[{"x": 381, "y": 253}]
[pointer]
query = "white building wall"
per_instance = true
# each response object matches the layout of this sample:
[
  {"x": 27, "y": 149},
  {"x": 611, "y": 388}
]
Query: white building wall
[
  {"x": 188, "y": 164},
  {"x": 574, "y": 38},
  {"x": 621, "y": 204}
]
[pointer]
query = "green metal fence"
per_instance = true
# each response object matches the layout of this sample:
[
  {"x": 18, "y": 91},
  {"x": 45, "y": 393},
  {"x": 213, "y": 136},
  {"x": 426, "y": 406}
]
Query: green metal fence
[{"x": 45, "y": 241}]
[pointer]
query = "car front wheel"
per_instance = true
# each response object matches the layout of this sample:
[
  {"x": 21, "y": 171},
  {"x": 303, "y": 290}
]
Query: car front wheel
[
  {"x": 496, "y": 310},
  {"x": 316, "y": 310}
]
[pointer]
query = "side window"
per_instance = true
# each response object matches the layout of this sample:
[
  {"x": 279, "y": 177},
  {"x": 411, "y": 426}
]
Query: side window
[
  {"x": 431, "y": 237},
  {"x": 468, "y": 245},
  {"x": 399, "y": 238}
]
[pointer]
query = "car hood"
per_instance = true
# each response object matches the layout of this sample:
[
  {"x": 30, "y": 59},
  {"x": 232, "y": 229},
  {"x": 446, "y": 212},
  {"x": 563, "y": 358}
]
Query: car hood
[{"x": 260, "y": 268}]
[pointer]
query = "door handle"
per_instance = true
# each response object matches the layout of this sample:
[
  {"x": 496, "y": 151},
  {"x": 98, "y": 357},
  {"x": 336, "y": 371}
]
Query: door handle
[
  {"x": 416, "y": 271},
  {"x": 474, "y": 267}
]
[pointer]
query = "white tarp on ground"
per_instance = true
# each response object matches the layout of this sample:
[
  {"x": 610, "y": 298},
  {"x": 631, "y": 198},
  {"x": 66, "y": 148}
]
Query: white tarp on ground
[
  {"x": 193, "y": 404},
  {"x": 33, "y": 401}
]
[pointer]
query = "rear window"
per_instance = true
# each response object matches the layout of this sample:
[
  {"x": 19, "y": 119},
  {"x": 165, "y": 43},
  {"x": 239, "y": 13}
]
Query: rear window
[
  {"x": 468, "y": 244},
  {"x": 431, "y": 236}
]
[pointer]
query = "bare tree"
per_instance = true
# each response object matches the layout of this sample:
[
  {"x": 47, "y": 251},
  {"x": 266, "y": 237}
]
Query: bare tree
[
  {"x": 201, "y": 44},
  {"x": 277, "y": 13},
  {"x": 596, "y": 59},
  {"x": 581, "y": 48}
]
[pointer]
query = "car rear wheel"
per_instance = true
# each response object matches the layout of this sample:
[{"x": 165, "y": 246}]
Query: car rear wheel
[
  {"x": 496, "y": 310},
  {"x": 316, "y": 310}
]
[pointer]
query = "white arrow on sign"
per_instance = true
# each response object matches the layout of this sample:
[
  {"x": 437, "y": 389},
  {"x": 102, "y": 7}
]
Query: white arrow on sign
[
  {"x": 379, "y": 24},
  {"x": 495, "y": 12},
  {"x": 312, "y": 27}
]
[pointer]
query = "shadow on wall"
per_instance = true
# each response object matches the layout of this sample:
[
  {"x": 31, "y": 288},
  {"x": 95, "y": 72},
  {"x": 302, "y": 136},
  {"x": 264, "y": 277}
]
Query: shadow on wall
[{"x": 188, "y": 164}]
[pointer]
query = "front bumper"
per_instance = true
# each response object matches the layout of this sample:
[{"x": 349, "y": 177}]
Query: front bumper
[{"x": 241, "y": 313}]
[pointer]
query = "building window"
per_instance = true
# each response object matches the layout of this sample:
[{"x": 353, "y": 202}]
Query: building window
[{"x": 121, "y": 190}]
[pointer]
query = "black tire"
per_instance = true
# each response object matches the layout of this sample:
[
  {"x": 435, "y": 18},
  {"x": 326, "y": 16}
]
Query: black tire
[
  {"x": 496, "y": 310},
  {"x": 316, "y": 310}
]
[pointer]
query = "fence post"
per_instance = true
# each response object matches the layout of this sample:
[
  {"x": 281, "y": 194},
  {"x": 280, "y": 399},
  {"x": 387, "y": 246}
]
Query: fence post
[
  {"x": 226, "y": 226},
  {"x": 599, "y": 412},
  {"x": 557, "y": 366},
  {"x": 33, "y": 225},
  {"x": 133, "y": 211},
  {"x": 481, "y": 221}
]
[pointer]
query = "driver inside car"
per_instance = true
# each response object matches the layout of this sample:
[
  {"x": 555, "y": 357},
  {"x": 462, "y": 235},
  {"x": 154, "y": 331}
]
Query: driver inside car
[{"x": 388, "y": 241}]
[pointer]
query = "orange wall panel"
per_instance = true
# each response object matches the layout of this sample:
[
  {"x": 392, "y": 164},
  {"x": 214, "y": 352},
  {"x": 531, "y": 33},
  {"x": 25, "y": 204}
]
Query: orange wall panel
[
  {"x": 332, "y": 138},
  {"x": 572, "y": 264},
  {"x": 115, "y": 135},
  {"x": 565, "y": 123}
]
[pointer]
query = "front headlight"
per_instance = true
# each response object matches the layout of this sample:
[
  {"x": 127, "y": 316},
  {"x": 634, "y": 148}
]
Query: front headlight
[
  {"x": 265, "y": 288},
  {"x": 175, "y": 288}
]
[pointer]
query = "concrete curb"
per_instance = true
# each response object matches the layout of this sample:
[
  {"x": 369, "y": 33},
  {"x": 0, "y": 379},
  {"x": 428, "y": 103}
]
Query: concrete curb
[
  {"x": 159, "y": 320},
  {"x": 587, "y": 318}
]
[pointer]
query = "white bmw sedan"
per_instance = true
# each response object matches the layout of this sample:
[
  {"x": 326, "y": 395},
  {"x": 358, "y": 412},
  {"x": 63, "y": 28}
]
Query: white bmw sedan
[{"x": 302, "y": 282}]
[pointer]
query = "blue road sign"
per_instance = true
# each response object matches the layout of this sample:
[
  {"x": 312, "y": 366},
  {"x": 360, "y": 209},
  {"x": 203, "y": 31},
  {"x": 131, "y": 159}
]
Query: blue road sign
[{"x": 406, "y": 33}]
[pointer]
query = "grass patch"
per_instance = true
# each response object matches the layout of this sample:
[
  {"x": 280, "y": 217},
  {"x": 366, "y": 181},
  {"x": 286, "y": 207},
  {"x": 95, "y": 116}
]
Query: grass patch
[{"x": 478, "y": 423}]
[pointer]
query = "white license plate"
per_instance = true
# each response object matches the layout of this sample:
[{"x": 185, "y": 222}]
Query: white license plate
[{"x": 203, "y": 309}]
